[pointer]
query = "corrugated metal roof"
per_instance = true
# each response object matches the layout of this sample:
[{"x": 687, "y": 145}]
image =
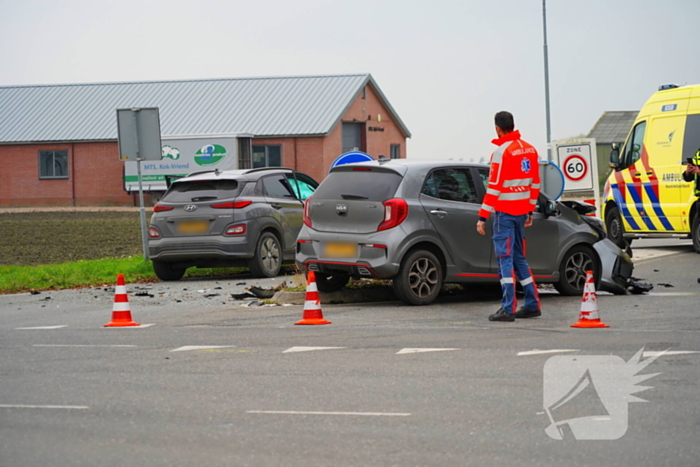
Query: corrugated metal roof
[
  {"x": 613, "y": 127},
  {"x": 303, "y": 105}
]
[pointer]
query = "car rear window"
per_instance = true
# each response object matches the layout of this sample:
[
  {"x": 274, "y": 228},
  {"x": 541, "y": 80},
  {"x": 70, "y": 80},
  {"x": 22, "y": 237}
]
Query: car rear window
[
  {"x": 201, "y": 190},
  {"x": 370, "y": 185}
]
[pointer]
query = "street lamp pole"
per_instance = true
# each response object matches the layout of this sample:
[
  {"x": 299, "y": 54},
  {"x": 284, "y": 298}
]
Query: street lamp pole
[{"x": 546, "y": 81}]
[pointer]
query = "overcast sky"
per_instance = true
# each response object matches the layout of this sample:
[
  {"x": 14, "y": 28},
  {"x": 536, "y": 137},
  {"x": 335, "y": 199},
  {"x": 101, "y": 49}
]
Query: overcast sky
[{"x": 445, "y": 66}]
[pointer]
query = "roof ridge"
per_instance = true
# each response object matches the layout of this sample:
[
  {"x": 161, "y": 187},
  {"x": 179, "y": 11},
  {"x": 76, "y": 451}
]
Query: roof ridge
[{"x": 193, "y": 80}]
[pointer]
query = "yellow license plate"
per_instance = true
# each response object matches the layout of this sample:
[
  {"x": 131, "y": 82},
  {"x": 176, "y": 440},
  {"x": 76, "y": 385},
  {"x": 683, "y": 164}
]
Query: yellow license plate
[
  {"x": 193, "y": 227},
  {"x": 340, "y": 250}
]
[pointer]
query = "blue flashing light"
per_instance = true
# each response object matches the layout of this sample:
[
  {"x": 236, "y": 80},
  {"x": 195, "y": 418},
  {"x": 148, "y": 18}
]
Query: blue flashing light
[{"x": 664, "y": 87}]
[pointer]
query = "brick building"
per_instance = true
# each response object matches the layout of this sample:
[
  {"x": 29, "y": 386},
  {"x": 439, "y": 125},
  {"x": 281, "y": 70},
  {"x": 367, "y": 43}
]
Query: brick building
[{"x": 58, "y": 143}]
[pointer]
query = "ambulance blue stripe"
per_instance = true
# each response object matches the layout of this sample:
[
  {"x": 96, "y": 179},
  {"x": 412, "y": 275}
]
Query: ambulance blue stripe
[
  {"x": 657, "y": 207},
  {"x": 640, "y": 206},
  {"x": 622, "y": 204}
]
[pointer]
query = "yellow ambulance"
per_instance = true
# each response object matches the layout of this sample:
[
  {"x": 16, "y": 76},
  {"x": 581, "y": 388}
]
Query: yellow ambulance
[{"x": 645, "y": 195}]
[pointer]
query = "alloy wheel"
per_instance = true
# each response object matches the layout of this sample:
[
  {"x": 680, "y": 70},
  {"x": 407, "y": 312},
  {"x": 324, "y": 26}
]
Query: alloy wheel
[
  {"x": 423, "y": 277},
  {"x": 576, "y": 267}
]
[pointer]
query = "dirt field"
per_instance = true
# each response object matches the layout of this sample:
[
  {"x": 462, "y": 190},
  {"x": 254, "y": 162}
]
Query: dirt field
[{"x": 29, "y": 236}]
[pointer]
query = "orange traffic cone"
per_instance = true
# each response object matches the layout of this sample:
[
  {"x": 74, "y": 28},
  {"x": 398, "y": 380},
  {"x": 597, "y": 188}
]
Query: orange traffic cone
[
  {"x": 589, "y": 317},
  {"x": 312, "y": 305},
  {"x": 121, "y": 315}
]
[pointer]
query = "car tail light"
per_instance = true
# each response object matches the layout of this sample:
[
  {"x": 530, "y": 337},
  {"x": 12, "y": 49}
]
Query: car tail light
[
  {"x": 374, "y": 245},
  {"x": 395, "y": 212},
  {"x": 161, "y": 208},
  {"x": 233, "y": 204},
  {"x": 153, "y": 232},
  {"x": 239, "y": 229},
  {"x": 307, "y": 219}
]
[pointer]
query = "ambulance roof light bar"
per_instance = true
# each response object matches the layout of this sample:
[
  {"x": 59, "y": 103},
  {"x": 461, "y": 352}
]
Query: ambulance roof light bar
[{"x": 664, "y": 87}]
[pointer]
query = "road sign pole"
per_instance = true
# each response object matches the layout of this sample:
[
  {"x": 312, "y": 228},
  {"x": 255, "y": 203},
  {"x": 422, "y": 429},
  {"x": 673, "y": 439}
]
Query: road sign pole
[{"x": 142, "y": 210}]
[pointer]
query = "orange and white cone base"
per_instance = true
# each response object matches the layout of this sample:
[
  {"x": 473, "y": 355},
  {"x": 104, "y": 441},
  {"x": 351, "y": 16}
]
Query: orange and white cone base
[
  {"x": 121, "y": 315},
  {"x": 589, "y": 316},
  {"x": 312, "y": 304}
]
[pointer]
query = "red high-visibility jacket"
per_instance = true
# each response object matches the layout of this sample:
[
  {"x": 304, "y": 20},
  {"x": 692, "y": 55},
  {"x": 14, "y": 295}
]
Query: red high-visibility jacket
[{"x": 514, "y": 177}]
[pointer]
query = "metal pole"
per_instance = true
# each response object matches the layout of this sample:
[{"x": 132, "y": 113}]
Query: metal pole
[
  {"x": 546, "y": 81},
  {"x": 142, "y": 210}
]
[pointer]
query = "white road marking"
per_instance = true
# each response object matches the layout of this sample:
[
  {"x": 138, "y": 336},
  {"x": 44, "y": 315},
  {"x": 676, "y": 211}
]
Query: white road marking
[
  {"x": 420, "y": 350},
  {"x": 308, "y": 349},
  {"x": 72, "y": 407},
  {"x": 78, "y": 345},
  {"x": 652, "y": 353},
  {"x": 44, "y": 327},
  {"x": 361, "y": 414},
  {"x": 140, "y": 326},
  {"x": 201, "y": 347},
  {"x": 542, "y": 352}
]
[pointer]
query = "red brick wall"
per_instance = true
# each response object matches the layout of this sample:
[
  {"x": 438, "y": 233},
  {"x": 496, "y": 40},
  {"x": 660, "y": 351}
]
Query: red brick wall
[
  {"x": 368, "y": 110},
  {"x": 95, "y": 176}
]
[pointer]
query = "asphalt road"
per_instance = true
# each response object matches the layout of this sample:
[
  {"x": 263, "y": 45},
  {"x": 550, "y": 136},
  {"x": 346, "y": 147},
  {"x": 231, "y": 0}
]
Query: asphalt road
[{"x": 385, "y": 384}]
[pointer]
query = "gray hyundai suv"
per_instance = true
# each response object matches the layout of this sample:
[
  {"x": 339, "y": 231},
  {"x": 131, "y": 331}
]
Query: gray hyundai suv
[
  {"x": 415, "y": 222},
  {"x": 228, "y": 218}
]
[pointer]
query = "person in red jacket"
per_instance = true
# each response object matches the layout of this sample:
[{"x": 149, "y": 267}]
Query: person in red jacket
[{"x": 513, "y": 187}]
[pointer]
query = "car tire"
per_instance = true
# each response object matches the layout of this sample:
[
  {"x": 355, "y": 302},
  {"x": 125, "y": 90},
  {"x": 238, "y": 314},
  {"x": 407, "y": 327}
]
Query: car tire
[
  {"x": 573, "y": 267},
  {"x": 167, "y": 271},
  {"x": 695, "y": 231},
  {"x": 419, "y": 279},
  {"x": 267, "y": 261},
  {"x": 616, "y": 229},
  {"x": 331, "y": 282}
]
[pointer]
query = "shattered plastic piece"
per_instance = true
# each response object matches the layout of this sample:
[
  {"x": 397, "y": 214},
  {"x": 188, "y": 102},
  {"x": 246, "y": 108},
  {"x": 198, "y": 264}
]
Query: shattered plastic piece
[
  {"x": 143, "y": 294},
  {"x": 217, "y": 288},
  {"x": 665, "y": 285},
  {"x": 262, "y": 293},
  {"x": 209, "y": 295},
  {"x": 255, "y": 303},
  {"x": 241, "y": 296},
  {"x": 36, "y": 292},
  {"x": 638, "y": 288}
]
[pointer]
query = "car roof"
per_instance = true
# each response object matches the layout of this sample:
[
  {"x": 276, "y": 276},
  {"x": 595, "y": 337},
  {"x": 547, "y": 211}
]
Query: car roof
[
  {"x": 402, "y": 165},
  {"x": 239, "y": 174}
]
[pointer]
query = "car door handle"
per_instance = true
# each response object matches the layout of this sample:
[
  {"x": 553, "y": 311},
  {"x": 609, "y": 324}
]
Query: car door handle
[
  {"x": 638, "y": 174},
  {"x": 439, "y": 212},
  {"x": 276, "y": 206}
]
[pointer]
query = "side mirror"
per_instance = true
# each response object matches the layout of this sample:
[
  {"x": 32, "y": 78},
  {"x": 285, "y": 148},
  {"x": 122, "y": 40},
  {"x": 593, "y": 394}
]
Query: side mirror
[
  {"x": 549, "y": 208},
  {"x": 615, "y": 156}
]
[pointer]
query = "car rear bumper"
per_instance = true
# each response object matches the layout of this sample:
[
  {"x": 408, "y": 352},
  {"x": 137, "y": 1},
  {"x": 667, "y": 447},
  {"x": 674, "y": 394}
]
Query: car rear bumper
[
  {"x": 195, "y": 248},
  {"x": 373, "y": 258}
]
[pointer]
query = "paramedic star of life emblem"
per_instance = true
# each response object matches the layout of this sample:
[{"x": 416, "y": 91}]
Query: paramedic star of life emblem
[
  {"x": 591, "y": 393},
  {"x": 525, "y": 165}
]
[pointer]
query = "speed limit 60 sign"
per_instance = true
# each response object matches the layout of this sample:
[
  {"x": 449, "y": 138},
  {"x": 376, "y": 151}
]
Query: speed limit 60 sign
[{"x": 575, "y": 162}]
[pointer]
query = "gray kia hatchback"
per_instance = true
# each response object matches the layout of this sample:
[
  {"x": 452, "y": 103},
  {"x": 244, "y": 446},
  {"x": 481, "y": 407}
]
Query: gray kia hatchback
[
  {"x": 228, "y": 218},
  {"x": 415, "y": 222}
]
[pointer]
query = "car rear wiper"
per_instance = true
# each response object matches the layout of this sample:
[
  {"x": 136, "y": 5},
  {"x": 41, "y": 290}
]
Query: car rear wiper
[
  {"x": 204, "y": 198},
  {"x": 344, "y": 196}
]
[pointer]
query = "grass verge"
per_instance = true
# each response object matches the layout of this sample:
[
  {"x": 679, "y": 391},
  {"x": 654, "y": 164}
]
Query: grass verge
[{"x": 85, "y": 273}]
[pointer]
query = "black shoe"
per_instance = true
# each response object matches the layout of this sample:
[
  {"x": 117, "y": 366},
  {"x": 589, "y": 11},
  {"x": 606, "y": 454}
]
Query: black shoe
[
  {"x": 501, "y": 315},
  {"x": 526, "y": 313}
]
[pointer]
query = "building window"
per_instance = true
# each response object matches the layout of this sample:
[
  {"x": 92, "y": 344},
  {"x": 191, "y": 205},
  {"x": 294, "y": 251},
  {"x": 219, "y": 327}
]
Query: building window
[
  {"x": 395, "y": 151},
  {"x": 267, "y": 156},
  {"x": 53, "y": 164}
]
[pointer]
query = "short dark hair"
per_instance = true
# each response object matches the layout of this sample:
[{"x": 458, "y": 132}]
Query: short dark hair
[{"x": 504, "y": 121}]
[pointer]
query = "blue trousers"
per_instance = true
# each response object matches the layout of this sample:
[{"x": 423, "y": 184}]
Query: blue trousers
[{"x": 508, "y": 240}]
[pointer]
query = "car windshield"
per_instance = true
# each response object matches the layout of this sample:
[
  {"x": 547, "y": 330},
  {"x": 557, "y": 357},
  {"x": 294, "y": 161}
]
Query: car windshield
[
  {"x": 365, "y": 184},
  {"x": 201, "y": 190}
]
